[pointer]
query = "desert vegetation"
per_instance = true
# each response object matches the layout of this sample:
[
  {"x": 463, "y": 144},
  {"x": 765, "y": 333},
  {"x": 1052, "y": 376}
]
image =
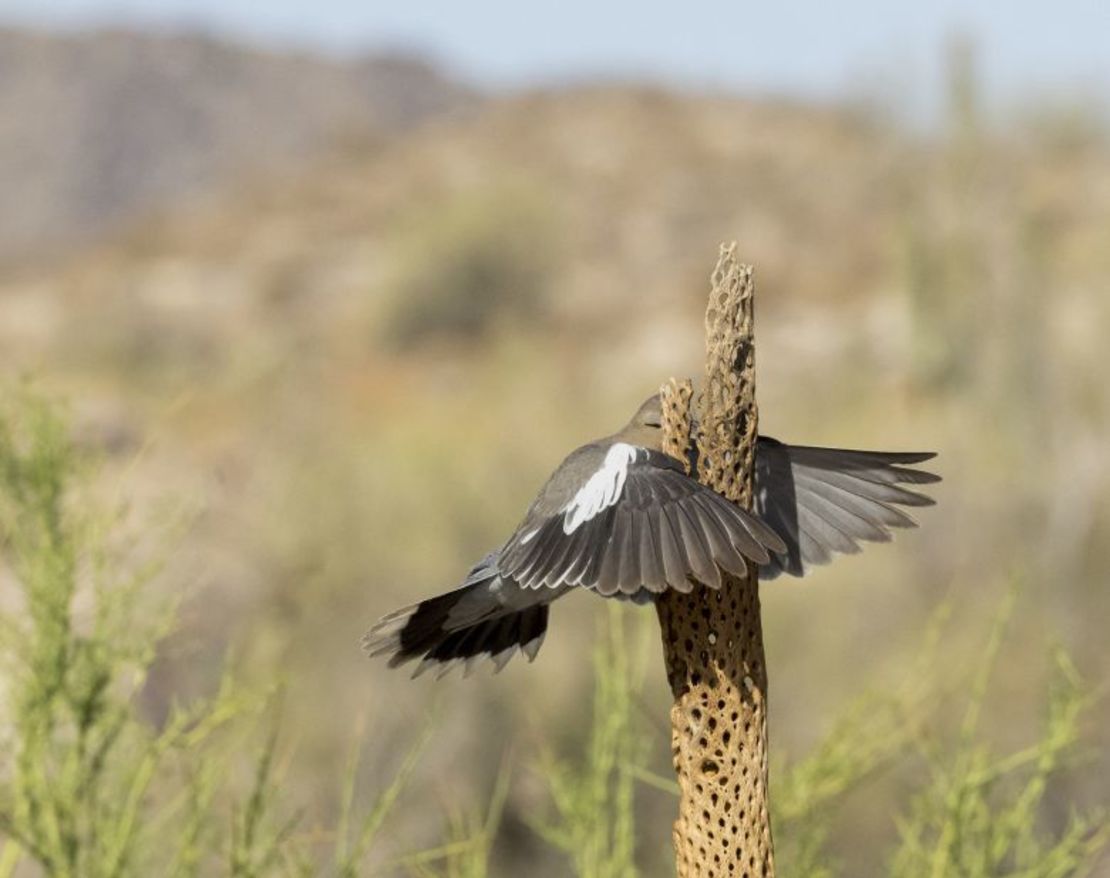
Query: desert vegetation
[
  {"x": 97, "y": 786},
  {"x": 258, "y": 421}
]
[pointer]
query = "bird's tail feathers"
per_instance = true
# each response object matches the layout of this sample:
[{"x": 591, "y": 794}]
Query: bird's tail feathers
[{"x": 463, "y": 626}]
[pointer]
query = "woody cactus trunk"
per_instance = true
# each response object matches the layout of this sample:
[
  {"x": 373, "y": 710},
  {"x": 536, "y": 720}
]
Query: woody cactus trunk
[{"x": 713, "y": 638}]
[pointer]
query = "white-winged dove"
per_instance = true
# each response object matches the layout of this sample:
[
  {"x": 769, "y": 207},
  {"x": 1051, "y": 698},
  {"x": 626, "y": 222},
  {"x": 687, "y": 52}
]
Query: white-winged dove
[{"x": 621, "y": 518}]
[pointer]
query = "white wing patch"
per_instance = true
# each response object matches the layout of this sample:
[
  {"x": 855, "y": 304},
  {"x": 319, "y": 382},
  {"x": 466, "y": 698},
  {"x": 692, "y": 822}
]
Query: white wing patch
[{"x": 602, "y": 489}]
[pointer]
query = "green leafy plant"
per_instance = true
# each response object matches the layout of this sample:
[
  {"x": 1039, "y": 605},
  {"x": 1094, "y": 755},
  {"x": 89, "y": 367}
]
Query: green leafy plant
[
  {"x": 86, "y": 788},
  {"x": 980, "y": 814},
  {"x": 594, "y": 821},
  {"x": 89, "y": 786}
]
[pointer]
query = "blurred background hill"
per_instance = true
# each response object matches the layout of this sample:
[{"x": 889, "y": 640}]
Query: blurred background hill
[
  {"x": 341, "y": 317},
  {"x": 100, "y": 128}
]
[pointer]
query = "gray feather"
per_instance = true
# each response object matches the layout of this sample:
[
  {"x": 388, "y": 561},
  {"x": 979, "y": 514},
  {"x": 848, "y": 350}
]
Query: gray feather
[{"x": 823, "y": 501}]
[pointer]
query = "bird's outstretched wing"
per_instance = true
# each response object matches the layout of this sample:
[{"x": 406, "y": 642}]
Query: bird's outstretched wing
[
  {"x": 629, "y": 524},
  {"x": 636, "y": 522},
  {"x": 823, "y": 501}
]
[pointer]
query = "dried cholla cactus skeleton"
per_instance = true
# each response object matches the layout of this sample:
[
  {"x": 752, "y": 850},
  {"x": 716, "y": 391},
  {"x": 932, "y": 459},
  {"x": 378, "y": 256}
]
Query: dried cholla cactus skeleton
[{"x": 713, "y": 638}]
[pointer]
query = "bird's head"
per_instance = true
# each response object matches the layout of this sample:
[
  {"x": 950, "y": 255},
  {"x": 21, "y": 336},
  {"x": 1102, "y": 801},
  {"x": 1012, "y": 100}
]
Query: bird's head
[
  {"x": 649, "y": 414},
  {"x": 646, "y": 427}
]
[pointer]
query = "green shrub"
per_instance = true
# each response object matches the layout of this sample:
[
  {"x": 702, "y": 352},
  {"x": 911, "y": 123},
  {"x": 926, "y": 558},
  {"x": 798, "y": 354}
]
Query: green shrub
[
  {"x": 89, "y": 787},
  {"x": 593, "y": 796},
  {"x": 461, "y": 267},
  {"x": 978, "y": 814},
  {"x": 982, "y": 814}
]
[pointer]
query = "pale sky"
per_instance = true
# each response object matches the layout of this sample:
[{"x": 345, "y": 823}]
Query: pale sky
[{"x": 877, "y": 47}]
